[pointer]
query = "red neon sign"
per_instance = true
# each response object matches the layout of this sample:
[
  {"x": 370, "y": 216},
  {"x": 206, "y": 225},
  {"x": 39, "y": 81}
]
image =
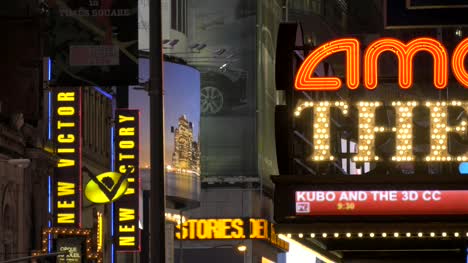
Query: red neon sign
[
  {"x": 304, "y": 79},
  {"x": 404, "y": 52},
  {"x": 382, "y": 202}
]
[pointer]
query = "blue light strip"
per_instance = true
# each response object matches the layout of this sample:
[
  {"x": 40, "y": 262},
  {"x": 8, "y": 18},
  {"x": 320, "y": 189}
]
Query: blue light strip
[
  {"x": 49, "y": 117},
  {"x": 112, "y": 253},
  {"x": 49, "y": 69},
  {"x": 107, "y": 95},
  {"x": 49, "y": 237},
  {"x": 49, "y": 203},
  {"x": 49, "y": 192},
  {"x": 49, "y": 248}
]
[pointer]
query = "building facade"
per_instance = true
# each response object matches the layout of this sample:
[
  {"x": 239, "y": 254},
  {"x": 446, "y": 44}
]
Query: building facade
[
  {"x": 25, "y": 165},
  {"x": 184, "y": 147}
]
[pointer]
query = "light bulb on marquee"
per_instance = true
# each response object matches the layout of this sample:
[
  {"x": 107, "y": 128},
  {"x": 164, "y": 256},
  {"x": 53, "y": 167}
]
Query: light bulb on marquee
[
  {"x": 321, "y": 126},
  {"x": 403, "y": 130}
]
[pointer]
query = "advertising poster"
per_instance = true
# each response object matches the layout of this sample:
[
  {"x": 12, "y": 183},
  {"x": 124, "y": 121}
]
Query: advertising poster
[
  {"x": 73, "y": 247},
  {"x": 226, "y": 56},
  {"x": 218, "y": 38},
  {"x": 93, "y": 42},
  {"x": 181, "y": 129}
]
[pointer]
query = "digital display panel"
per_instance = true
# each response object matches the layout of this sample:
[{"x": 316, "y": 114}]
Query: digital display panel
[
  {"x": 382, "y": 202},
  {"x": 230, "y": 228}
]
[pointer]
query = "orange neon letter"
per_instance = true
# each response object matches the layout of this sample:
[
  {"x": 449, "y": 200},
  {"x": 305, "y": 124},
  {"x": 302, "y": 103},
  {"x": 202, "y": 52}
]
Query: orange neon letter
[
  {"x": 305, "y": 80},
  {"x": 405, "y": 54},
  {"x": 458, "y": 63}
]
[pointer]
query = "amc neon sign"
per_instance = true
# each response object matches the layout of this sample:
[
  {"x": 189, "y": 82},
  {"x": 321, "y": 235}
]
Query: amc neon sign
[
  {"x": 367, "y": 128},
  {"x": 404, "y": 52}
]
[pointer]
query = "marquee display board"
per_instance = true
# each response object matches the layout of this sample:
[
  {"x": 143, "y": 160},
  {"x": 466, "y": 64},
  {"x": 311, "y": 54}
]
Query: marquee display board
[
  {"x": 67, "y": 142},
  {"x": 370, "y": 198},
  {"x": 126, "y": 211},
  {"x": 228, "y": 229},
  {"x": 382, "y": 202}
]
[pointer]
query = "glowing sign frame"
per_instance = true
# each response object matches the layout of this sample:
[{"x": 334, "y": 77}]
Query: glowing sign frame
[
  {"x": 405, "y": 53},
  {"x": 127, "y": 234},
  {"x": 92, "y": 251}
]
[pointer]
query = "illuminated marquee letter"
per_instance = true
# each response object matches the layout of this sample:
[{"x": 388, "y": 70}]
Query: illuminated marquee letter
[
  {"x": 306, "y": 81},
  {"x": 66, "y": 96},
  {"x": 405, "y": 55},
  {"x": 182, "y": 232},
  {"x": 458, "y": 63},
  {"x": 404, "y": 130},
  {"x": 258, "y": 228},
  {"x": 321, "y": 137},
  {"x": 69, "y": 138},
  {"x": 66, "y": 111},
  {"x": 440, "y": 128},
  {"x": 366, "y": 131}
]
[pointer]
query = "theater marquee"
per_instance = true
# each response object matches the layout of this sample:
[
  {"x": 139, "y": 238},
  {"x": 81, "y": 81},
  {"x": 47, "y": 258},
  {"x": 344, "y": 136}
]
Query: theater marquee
[
  {"x": 67, "y": 143},
  {"x": 378, "y": 195},
  {"x": 126, "y": 210},
  {"x": 440, "y": 127}
]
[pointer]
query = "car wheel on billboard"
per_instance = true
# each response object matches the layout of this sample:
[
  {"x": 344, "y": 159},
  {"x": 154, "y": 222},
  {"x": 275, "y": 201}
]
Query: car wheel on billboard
[{"x": 212, "y": 100}]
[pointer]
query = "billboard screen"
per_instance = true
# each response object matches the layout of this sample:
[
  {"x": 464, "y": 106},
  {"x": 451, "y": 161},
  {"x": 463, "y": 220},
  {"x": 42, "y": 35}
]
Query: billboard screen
[
  {"x": 94, "y": 42},
  {"x": 181, "y": 130},
  {"x": 67, "y": 143}
]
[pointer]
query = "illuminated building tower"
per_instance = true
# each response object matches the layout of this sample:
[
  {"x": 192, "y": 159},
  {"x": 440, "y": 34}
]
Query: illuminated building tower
[
  {"x": 195, "y": 160},
  {"x": 183, "y": 138}
]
